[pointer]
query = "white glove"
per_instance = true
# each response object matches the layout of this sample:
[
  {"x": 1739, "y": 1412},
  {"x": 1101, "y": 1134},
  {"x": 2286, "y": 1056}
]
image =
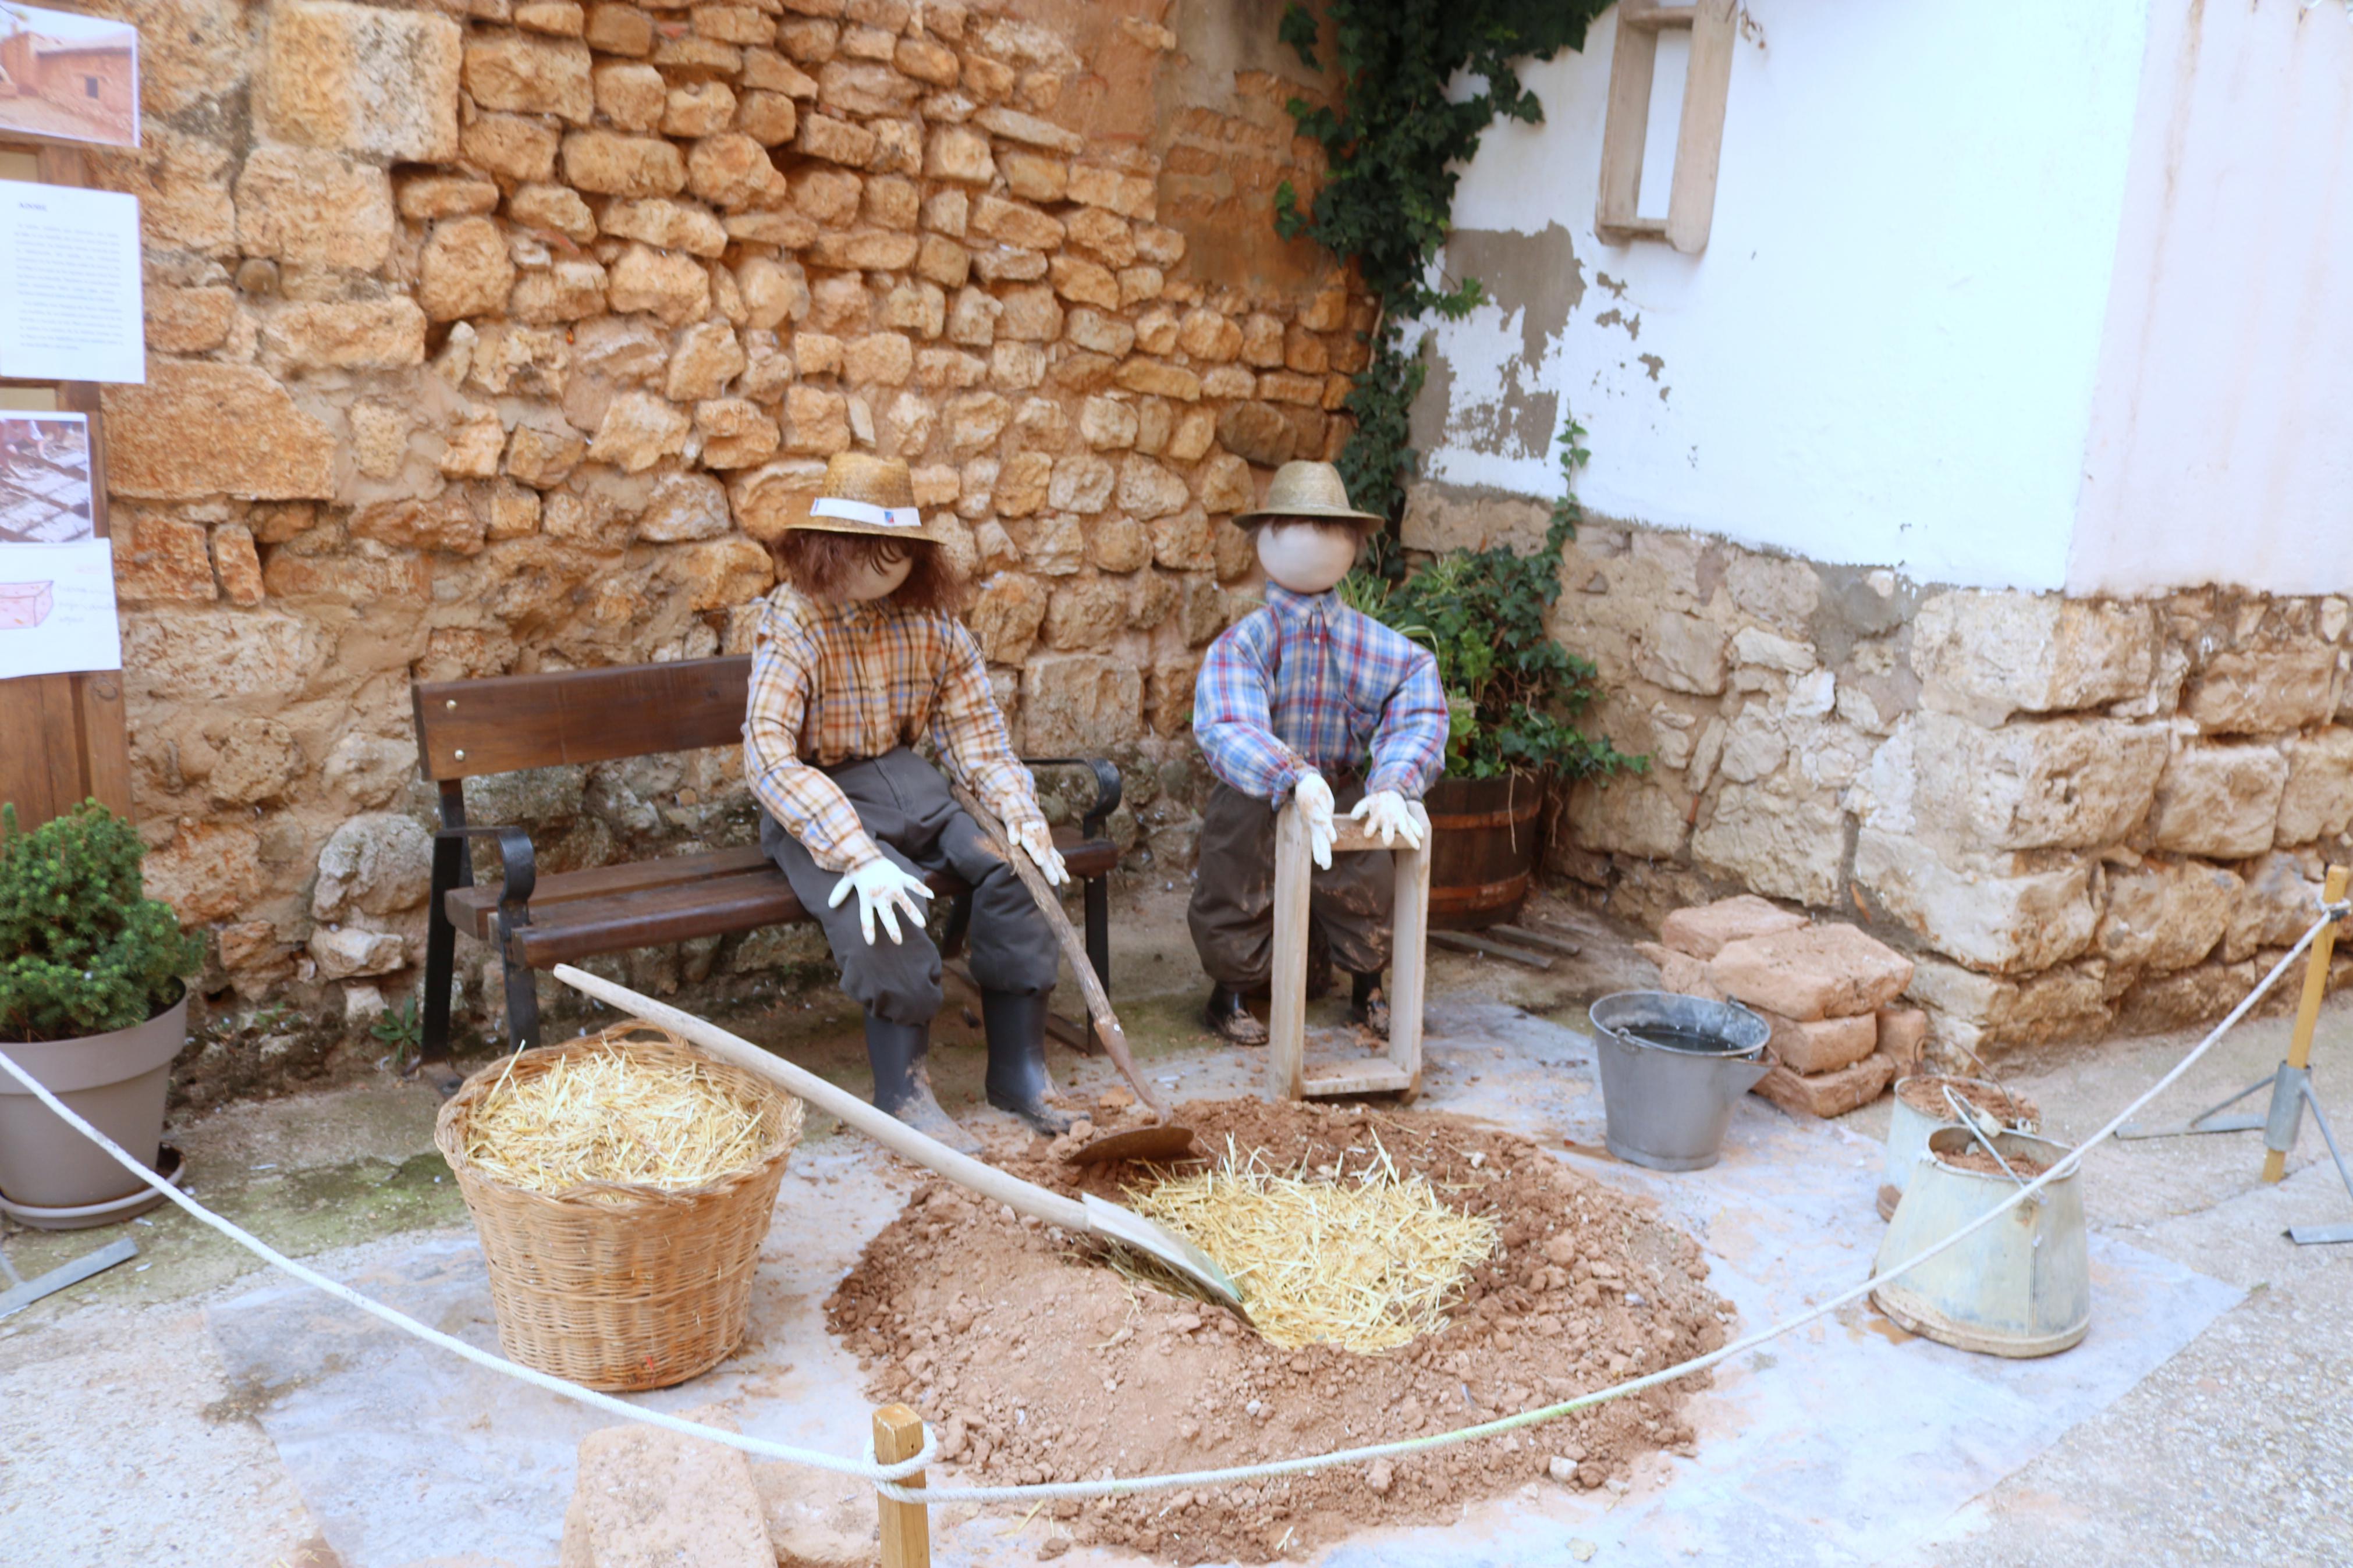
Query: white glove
[
  {"x": 1037, "y": 841},
  {"x": 883, "y": 889},
  {"x": 1313, "y": 797},
  {"x": 1385, "y": 812}
]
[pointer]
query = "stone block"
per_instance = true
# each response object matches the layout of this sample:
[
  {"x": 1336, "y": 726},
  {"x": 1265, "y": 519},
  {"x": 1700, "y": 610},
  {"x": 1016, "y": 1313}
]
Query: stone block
[
  {"x": 2317, "y": 800},
  {"x": 1903, "y": 1033},
  {"x": 612, "y": 28},
  {"x": 161, "y": 559},
  {"x": 1782, "y": 846},
  {"x": 567, "y": 291},
  {"x": 1632, "y": 814},
  {"x": 557, "y": 18},
  {"x": 520, "y": 73},
  {"x": 2166, "y": 917},
  {"x": 1148, "y": 491},
  {"x": 666, "y": 225},
  {"x": 1029, "y": 129},
  {"x": 647, "y": 1496},
  {"x": 511, "y": 146},
  {"x": 768, "y": 117},
  {"x": 313, "y": 208},
  {"x": 238, "y": 564},
  {"x": 639, "y": 430},
  {"x": 684, "y": 509},
  {"x": 674, "y": 289},
  {"x": 732, "y": 171},
  {"x": 445, "y": 522},
  {"x": 611, "y": 164},
  {"x": 1703, "y": 929},
  {"x": 1987, "y": 654},
  {"x": 1259, "y": 432},
  {"x": 372, "y": 334},
  {"x": 1990, "y": 912},
  {"x": 542, "y": 455},
  {"x": 718, "y": 572},
  {"x": 377, "y": 863},
  {"x": 464, "y": 269},
  {"x": 2221, "y": 802},
  {"x": 2265, "y": 691},
  {"x": 1156, "y": 378},
  {"x": 1085, "y": 612},
  {"x": 2078, "y": 784},
  {"x": 1828, "y": 971},
  {"x": 870, "y": 250},
  {"x": 429, "y": 197},
  {"x": 835, "y": 140},
  {"x": 1680, "y": 971},
  {"x": 198, "y": 429},
  {"x": 363, "y": 79},
  {"x": 2276, "y": 902},
  {"x": 1006, "y": 615},
  {"x": 1822, "y": 1045},
  {"x": 1825, "y": 1095},
  {"x": 1073, "y": 703},
  {"x": 816, "y": 422},
  {"x": 343, "y": 953},
  {"x": 1682, "y": 653},
  {"x": 631, "y": 94}
]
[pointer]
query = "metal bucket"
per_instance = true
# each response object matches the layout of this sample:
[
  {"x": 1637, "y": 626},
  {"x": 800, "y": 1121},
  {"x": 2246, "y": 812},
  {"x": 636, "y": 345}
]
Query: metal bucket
[
  {"x": 1671, "y": 1069},
  {"x": 1908, "y": 1129},
  {"x": 2021, "y": 1287}
]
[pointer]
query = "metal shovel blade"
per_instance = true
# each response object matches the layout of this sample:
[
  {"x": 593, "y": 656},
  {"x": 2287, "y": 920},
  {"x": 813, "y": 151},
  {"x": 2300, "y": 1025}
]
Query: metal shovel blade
[{"x": 1157, "y": 1241}]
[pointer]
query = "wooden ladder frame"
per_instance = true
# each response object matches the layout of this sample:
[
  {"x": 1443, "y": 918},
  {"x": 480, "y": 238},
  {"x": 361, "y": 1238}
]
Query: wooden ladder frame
[{"x": 1288, "y": 1073}]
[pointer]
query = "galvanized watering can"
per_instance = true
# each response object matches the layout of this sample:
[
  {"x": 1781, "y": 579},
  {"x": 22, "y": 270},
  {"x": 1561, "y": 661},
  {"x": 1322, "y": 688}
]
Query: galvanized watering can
[{"x": 1671, "y": 1069}]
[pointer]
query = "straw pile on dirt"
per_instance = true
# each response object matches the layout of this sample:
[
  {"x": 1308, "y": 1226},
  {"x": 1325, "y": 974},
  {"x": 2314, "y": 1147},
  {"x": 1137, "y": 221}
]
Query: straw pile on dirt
[
  {"x": 609, "y": 1117},
  {"x": 1036, "y": 1362},
  {"x": 1366, "y": 1263}
]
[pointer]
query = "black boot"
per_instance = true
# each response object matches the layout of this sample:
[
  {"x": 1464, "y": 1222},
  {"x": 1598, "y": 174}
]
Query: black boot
[
  {"x": 1229, "y": 1017},
  {"x": 903, "y": 1085},
  {"x": 1367, "y": 1004},
  {"x": 1017, "y": 1079}
]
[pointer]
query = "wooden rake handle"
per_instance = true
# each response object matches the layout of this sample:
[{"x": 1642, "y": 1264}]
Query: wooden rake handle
[{"x": 1106, "y": 1023}]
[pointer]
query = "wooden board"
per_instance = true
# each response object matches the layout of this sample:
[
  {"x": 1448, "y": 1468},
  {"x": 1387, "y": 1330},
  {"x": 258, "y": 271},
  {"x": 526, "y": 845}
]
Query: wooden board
[
  {"x": 63, "y": 738},
  {"x": 1699, "y": 135},
  {"x": 501, "y": 723},
  {"x": 1290, "y": 1076}
]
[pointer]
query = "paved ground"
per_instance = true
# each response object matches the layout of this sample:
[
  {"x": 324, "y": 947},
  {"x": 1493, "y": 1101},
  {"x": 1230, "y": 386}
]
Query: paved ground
[{"x": 125, "y": 1431}]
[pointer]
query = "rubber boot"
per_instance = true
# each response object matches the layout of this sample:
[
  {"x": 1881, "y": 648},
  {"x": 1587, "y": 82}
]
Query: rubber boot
[
  {"x": 1230, "y": 1018},
  {"x": 1367, "y": 1004},
  {"x": 903, "y": 1085},
  {"x": 1017, "y": 1079}
]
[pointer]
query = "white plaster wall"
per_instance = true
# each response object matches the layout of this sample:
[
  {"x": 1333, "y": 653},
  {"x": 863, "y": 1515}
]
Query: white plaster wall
[
  {"x": 2221, "y": 438},
  {"x": 1886, "y": 354}
]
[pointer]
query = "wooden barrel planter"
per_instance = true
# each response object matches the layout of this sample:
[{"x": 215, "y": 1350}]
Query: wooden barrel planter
[{"x": 1482, "y": 852}]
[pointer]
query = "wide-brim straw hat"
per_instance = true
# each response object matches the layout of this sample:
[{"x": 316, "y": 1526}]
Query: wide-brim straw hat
[
  {"x": 1302, "y": 488},
  {"x": 872, "y": 496}
]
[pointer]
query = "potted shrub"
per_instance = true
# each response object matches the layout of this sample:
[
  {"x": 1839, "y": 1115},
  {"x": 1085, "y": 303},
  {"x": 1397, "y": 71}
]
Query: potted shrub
[
  {"x": 1514, "y": 693},
  {"x": 92, "y": 1004}
]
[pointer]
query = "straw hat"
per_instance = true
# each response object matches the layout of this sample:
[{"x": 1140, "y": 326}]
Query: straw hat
[
  {"x": 1302, "y": 488},
  {"x": 870, "y": 494}
]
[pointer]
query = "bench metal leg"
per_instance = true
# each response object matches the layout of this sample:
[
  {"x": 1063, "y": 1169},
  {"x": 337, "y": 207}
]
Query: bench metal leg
[
  {"x": 1099, "y": 929},
  {"x": 452, "y": 869}
]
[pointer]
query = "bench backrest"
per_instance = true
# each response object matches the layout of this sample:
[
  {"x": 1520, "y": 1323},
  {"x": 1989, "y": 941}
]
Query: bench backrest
[{"x": 497, "y": 725}]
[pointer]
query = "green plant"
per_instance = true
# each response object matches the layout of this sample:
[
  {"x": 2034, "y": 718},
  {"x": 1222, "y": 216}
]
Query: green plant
[
  {"x": 1514, "y": 693},
  {"x": 82, "y": 949},
  {"x": 398, "y": 1028},
  {"x": 1394, "y": 146}
]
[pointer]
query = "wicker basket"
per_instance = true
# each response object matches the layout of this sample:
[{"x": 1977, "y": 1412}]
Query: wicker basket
[{"x": 622, "y": 1287}]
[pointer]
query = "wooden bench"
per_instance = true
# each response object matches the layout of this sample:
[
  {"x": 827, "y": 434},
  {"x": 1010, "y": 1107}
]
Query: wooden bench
[{"x": 469, "y": 728}]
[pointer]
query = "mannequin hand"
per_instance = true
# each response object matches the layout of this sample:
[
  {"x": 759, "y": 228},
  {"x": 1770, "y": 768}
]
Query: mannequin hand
[
  {"x": 883, "y": 889},
  {"x": 1314, "y": 800},
  {"x": 1037, "y": 841},
  {"x": 1384, "y": 811}
]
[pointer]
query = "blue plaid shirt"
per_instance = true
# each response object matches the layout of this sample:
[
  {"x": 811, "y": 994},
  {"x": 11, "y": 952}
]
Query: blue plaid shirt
[{"x": 1309, "y": 684}]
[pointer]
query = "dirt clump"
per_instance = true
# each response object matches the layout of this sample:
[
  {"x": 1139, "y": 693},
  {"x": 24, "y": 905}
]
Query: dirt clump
[
  {"x": 1927, "y": 1095},
  {"x": 1036, "y": 1362},
  {"x": 1978, "y": 1163}
]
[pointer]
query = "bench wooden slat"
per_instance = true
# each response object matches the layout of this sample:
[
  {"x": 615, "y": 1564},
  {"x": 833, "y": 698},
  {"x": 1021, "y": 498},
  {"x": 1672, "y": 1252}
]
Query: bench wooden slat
[
  {"x": 705, "y": 900},
  {"x": 500, "y": 724}
]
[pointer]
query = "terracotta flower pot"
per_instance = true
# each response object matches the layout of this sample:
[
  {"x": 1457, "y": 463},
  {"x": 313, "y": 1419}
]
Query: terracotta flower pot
[{"x": 116, "y": 1082}]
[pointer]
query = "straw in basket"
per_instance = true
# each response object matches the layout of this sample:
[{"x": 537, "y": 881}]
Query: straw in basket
[{"x": 621, "y": 1286}]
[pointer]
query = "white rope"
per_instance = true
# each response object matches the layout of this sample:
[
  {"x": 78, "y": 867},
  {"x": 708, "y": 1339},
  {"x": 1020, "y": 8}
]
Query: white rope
[
  {"x": 864, "y": 1470},
  {"x": 1123, "y": 1486},
  {"x": 884, "y": 1477}
]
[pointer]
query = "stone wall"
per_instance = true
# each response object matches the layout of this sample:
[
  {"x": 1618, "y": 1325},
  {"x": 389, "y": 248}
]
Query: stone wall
[
  {"x": 495, "y": 336},
  {"x": 2079, "y": 815}
]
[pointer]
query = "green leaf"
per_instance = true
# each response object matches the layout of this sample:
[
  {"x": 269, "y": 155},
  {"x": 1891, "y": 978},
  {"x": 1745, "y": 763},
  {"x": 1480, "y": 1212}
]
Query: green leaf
[{"x": 1298, "y": 30}]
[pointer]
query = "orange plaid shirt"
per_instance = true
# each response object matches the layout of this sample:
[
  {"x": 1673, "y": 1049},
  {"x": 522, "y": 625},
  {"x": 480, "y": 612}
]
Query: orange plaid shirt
[{"x": 843, "y": 683}]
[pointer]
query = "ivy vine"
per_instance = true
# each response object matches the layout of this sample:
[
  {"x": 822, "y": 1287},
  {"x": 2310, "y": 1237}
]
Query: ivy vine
[{"x": 1393, "y": 145}]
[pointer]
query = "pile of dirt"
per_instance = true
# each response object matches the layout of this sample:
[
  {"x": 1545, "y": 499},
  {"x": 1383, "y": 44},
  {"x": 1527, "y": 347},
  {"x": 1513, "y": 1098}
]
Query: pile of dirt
[
  {"x": 1926, "y": 1095},
  {"x": 1036, "y": 1363}
]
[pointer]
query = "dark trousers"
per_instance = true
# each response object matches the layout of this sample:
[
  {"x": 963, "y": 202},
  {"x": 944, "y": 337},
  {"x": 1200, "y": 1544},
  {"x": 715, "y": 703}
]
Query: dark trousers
[
  {"x": 1232, "y": 911},
  {"x": 904, "y": 804}
]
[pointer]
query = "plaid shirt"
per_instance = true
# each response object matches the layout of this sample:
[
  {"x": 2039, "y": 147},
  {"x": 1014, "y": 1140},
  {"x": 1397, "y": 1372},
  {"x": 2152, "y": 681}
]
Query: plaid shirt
[
  {"x": 843, "y": 683},
  {"x": 1308, "y": 684}
]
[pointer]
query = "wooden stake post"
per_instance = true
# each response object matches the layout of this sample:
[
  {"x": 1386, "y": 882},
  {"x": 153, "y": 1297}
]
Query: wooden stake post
[
  {"x": 2307, "y": 1013},
  {"x": 906, "y": 1526},
  {"x": 1289, "y": 1075}
]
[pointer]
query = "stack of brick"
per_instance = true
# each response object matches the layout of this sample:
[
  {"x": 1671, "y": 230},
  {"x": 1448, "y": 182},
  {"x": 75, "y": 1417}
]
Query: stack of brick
[{"x": 1828, "y": 991}]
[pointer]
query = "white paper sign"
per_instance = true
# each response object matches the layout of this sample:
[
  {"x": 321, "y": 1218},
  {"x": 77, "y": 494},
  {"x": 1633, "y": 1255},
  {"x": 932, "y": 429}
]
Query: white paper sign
[
  {"x": 57, "y": 609},
  {"x": 69, "y": 285}
]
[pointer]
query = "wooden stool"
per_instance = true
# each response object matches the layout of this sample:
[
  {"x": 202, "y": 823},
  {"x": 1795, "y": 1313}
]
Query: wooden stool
[{"x": 1289, "y": 1075}]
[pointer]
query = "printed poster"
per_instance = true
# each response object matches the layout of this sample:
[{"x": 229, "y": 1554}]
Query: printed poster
[
  {"x": 57, "y": 577},
  {"x": 67, "y": 78},
  {"x": 69, "y": 284}
]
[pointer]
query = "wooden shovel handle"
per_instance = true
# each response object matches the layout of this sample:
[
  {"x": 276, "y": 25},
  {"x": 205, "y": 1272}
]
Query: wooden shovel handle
[
  {"x": 894, "y": 1135},
  {"x": 1106, "y": 1023}
]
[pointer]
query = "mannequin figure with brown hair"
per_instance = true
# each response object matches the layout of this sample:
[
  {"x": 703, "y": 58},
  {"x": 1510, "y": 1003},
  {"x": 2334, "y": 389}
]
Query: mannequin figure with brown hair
[{"x": 860, "y": 655}]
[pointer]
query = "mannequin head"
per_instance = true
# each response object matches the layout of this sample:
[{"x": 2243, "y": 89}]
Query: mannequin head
[
  {"x": 857, "y": 568},
  {"x": 1306, "y": 554}
]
